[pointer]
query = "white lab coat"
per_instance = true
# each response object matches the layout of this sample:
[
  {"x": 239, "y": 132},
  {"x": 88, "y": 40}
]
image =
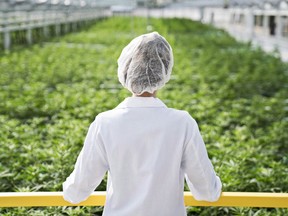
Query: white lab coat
[{"x": 147, "y": 150}]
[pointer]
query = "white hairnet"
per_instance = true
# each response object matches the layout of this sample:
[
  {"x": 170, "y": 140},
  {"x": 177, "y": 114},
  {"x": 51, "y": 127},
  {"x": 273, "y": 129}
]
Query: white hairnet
[{"x": 145, "y": 64}]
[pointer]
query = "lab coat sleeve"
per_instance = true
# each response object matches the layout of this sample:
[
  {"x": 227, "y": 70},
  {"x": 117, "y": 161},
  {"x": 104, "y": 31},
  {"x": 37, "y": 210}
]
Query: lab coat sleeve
[
  {"x": 90, "y": 168},
  {"x": 200, "y": 176}
]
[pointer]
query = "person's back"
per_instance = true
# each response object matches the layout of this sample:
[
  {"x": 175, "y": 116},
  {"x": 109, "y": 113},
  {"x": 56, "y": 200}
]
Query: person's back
[
  {"x": 144, "y": 143},
  {"x": 147, "y": 149}
]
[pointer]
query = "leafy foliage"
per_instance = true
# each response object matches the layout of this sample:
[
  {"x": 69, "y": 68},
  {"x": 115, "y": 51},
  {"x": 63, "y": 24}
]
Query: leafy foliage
[{"x": 51, "y": 92}]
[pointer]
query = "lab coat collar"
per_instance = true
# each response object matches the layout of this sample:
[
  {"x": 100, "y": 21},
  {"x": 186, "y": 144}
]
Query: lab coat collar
[{"x": 141, "y": 102}]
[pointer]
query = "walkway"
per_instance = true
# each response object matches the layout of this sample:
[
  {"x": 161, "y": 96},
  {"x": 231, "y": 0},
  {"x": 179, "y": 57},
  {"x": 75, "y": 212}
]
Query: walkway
[{"x": 266, "y": 42}]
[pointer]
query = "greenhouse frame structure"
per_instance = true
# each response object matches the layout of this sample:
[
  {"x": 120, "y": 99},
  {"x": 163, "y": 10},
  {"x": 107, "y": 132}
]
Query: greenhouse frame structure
[
  {"x": 50, "y": 18},
  {"x": 56, "y": 17}
]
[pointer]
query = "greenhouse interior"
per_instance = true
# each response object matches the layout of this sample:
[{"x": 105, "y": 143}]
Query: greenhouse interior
[{"x": 59, "y": 69}]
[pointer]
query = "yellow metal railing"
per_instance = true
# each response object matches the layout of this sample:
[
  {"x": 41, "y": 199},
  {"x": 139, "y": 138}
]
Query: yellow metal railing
[{"x": 243, "y": 199}]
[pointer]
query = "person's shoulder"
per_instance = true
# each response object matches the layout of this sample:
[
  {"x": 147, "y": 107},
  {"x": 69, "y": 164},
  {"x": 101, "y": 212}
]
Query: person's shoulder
[
  {"x": 108, "y": 114},
  {"x": 178, "y": 111},
  {"x": 182, "y": 114}
]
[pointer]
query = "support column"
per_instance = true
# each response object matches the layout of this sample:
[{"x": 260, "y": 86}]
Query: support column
[
  {"x": 211, "y": 21},
  {"x": 201, "y": 14},
  {"x": 57, "y": 29},
  {"x": 46, "y": 31},
  {"x": 66, "y": 25},
  {"x": 7, "y": 39},
  {"x": 74, "y": 26},
  {"x": 266, "y": 24},
  {"x": 279, "y": 26},
  {"x": 250, "y": 24},
  {"x": 66, "y": 28},
  {"x": 232, "y": 17},
  {"x": 46, "y": 27},
  {"x": 29, "y": 36},
  {"x": 57, "y": 22},
  {"x": 6, "y": 33}
]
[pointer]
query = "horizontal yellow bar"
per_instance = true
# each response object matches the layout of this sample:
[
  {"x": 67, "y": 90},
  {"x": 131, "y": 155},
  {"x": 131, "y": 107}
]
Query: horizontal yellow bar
[{"x": 243, "y": 199}]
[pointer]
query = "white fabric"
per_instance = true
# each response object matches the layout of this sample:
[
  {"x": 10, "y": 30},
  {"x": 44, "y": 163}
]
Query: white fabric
[
  {"x": 147, "y": 149},
  {"x": 145, "y": 64}
]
